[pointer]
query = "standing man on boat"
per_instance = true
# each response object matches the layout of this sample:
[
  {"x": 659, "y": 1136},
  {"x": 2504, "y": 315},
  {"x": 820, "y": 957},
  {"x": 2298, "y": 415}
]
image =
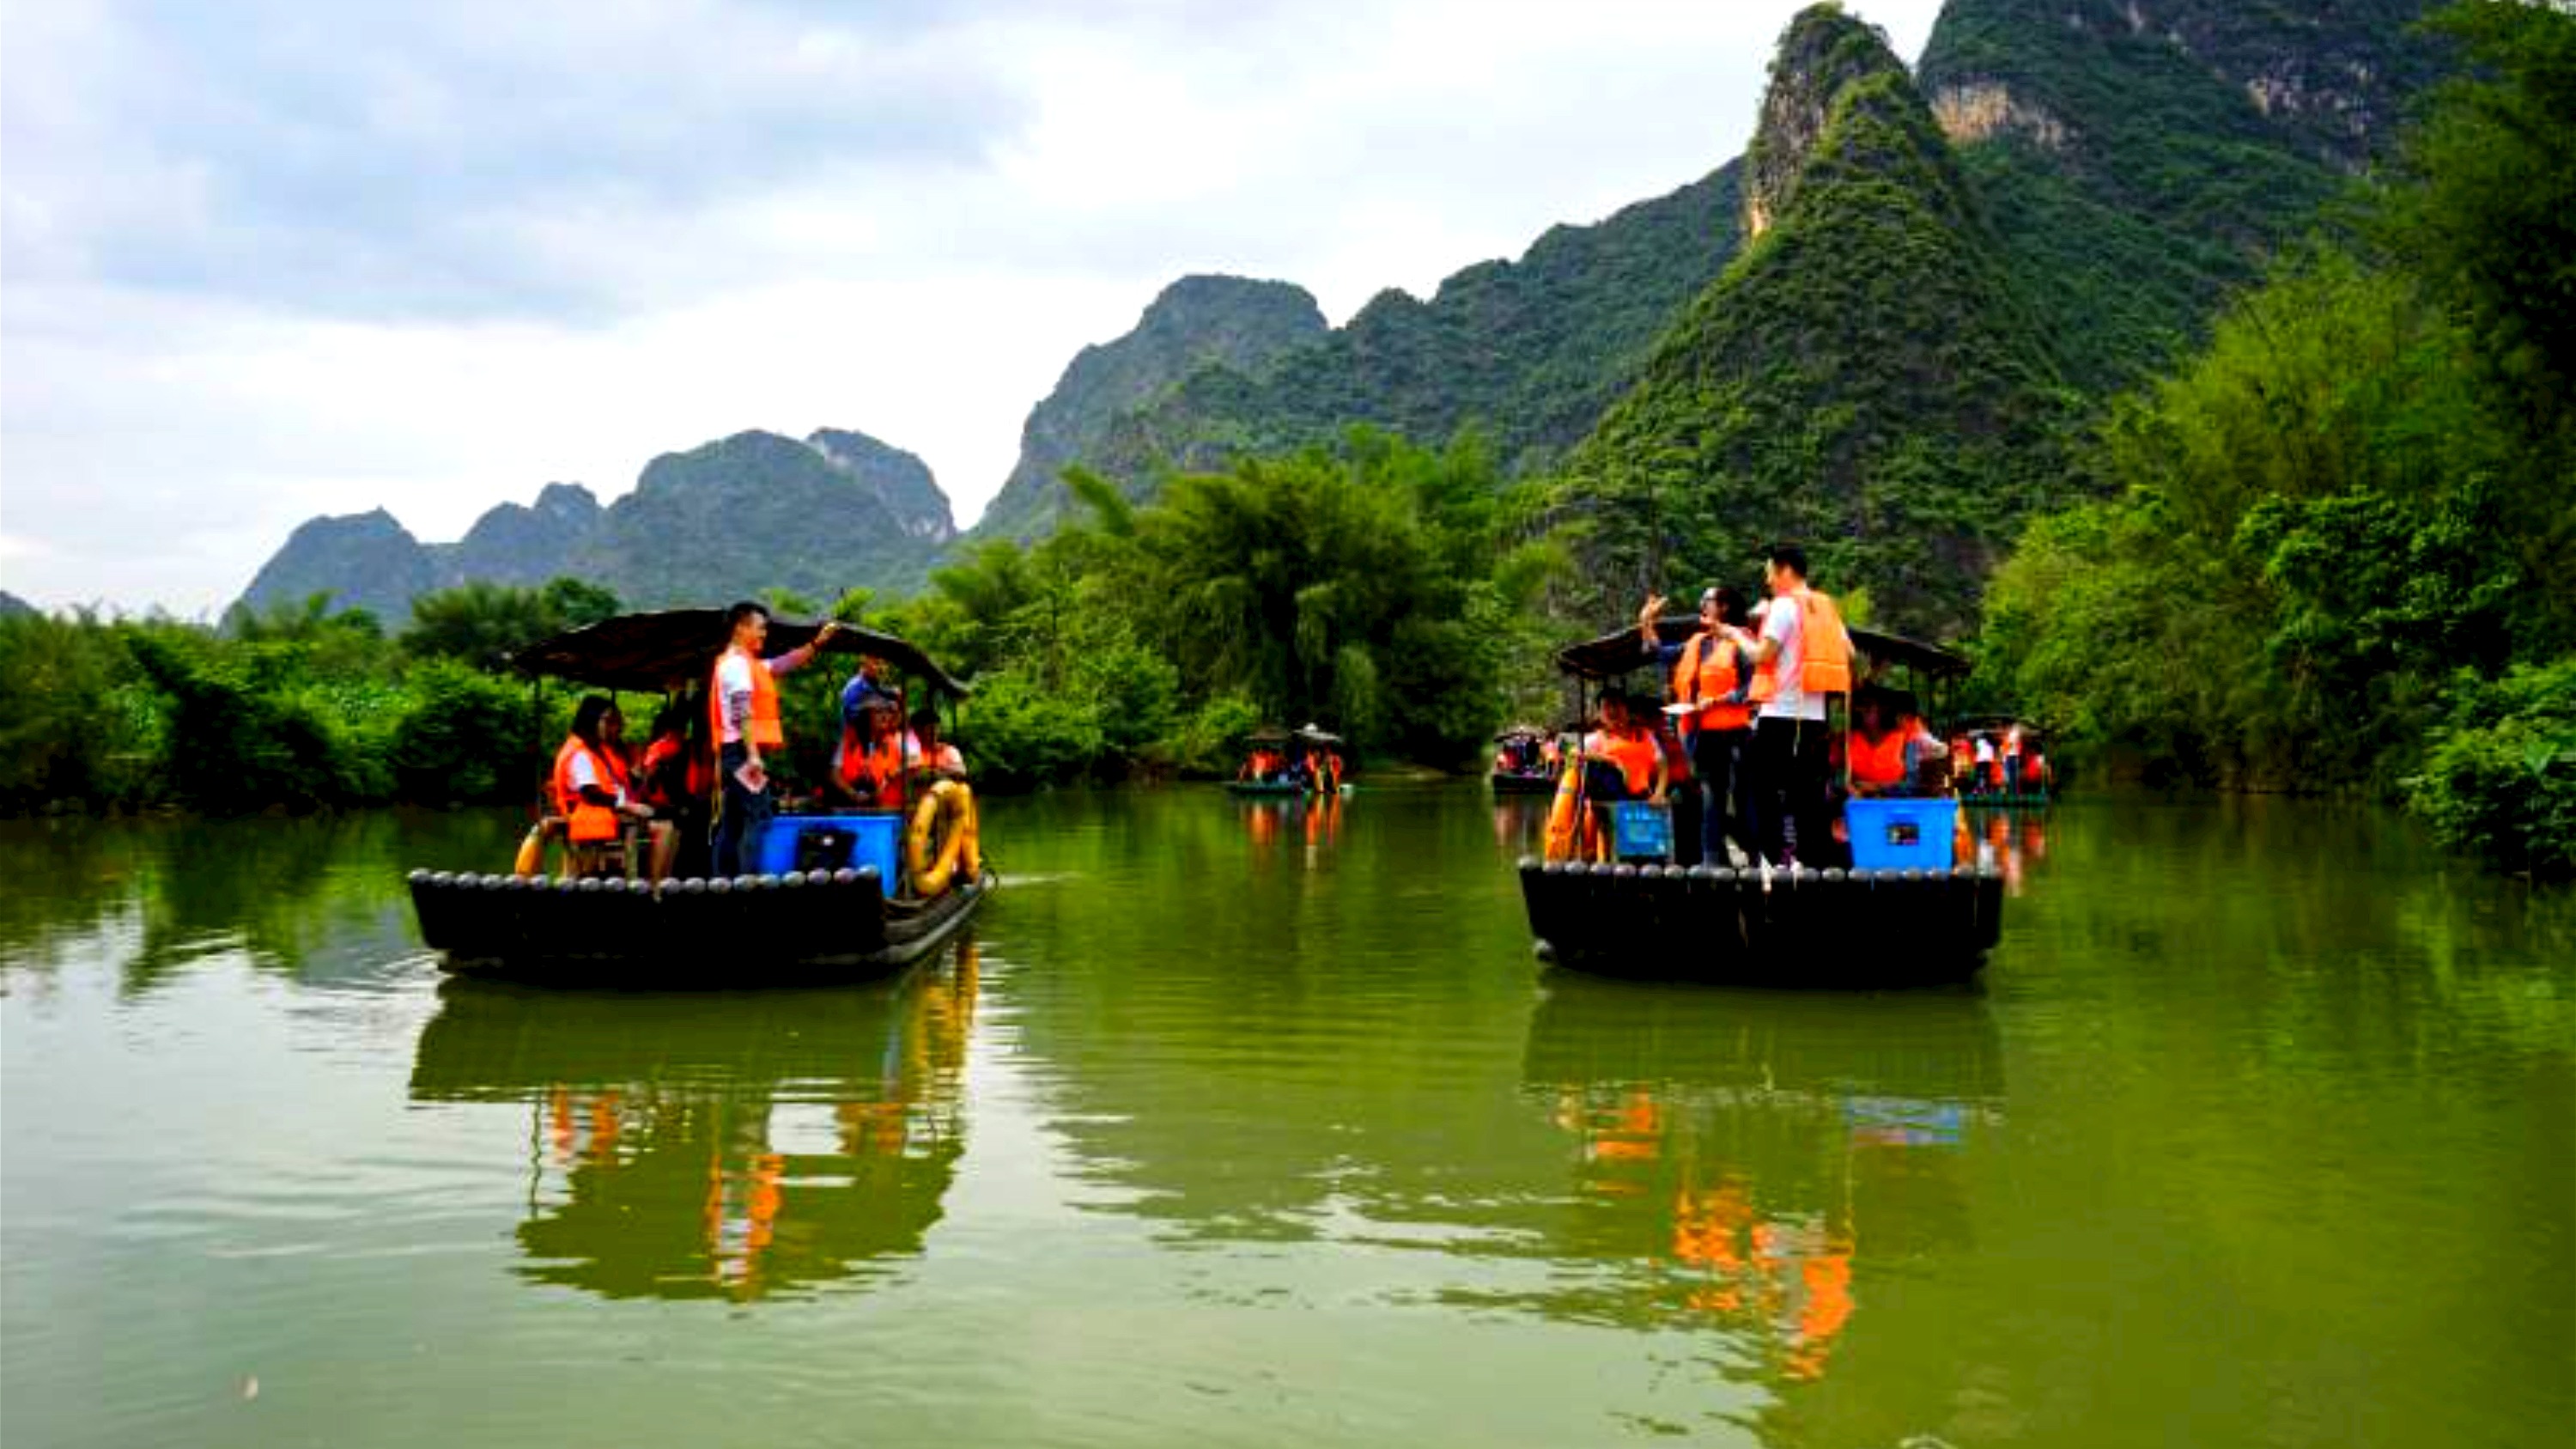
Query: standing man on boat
[
  {"x": 743, "y": 711},
  {"x": 1809, "y": 653}
]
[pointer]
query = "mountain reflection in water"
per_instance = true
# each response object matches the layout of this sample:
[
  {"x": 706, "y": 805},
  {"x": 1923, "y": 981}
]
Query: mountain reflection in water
[{"x": 732, "y": 1146}]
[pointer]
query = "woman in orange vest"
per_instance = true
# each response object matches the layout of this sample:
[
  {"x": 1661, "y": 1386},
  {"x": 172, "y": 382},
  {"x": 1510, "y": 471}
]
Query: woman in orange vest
[
  {"x": 592, "y": 790},
  {"x": 742, "y": 715},
  {"x": 1877, "y": 746},
  {"x": 1621, "y": 759},
  {"x": 1713, "y": 672}
]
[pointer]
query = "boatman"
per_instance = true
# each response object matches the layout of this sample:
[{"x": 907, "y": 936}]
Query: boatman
[
  {"x": 743, "y": 714},
  {"x": 1809, "y": 653}
]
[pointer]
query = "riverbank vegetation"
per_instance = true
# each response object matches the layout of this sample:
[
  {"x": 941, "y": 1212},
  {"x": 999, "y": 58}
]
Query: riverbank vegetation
[
  {"x": 1368, "y": 585},
  {"x": 2332, "y": 549}
]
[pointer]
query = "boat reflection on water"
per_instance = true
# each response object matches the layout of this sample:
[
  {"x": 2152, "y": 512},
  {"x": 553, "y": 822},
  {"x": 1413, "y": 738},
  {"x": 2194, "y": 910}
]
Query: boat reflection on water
[
  {"x": 2013, "y": 842},
  {"x": 718, "y": 1146},
  {"x": 1771, "y": 1155},
  {"x": 1311, "y": 822},
  {"x": 1520, "y": 825}
]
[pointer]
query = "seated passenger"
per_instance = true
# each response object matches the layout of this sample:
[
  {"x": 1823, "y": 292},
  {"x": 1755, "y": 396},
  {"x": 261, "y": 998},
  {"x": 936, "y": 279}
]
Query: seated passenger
[
  {"x": 936, "y": 760},
  {"x": 1621, "y": 758},
  {"x": 1877, "y": 746},
  {"x": 868, "y": 765},
  {"x": 591, "y": 792}
]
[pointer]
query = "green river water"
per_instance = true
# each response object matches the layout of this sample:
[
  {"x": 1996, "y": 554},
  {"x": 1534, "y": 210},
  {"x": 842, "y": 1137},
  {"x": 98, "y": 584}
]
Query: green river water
[{"x": 1252, "y": 1124}]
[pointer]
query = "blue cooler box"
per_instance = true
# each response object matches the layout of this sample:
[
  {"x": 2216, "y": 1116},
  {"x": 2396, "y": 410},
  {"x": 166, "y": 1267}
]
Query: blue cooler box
[
  {"x": 829, "y": 842},
  {"x": 1901, "y": 834},
  {"x": 1639, "y": 831}
]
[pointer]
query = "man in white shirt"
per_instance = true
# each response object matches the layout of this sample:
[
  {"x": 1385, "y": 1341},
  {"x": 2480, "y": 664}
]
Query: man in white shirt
[
  {"x": 1791, "y": 776},
  {"x": 744, "y": 706}
]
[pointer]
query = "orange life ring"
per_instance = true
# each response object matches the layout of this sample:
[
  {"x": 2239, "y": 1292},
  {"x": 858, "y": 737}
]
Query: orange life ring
[{"x": 940, "y": 842}]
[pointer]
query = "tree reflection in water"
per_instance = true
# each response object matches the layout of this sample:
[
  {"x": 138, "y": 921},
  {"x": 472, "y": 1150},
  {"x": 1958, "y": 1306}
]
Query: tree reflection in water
[{"x": 735, "y": 1146}]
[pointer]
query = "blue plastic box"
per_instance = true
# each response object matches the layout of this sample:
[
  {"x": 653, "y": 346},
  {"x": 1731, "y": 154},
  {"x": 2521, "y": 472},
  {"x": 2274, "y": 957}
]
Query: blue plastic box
[
  {"x": 1901, "y": 834},
  {"x": 1639, "y": 831},
  {"x": 829, "y": 842}
]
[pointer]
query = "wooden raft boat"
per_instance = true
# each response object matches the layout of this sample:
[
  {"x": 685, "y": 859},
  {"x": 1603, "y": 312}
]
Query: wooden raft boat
[
  {"x": 1867, "y": 929},
  {"x": 792, "y": 926},
  {"x": 789, "y": 929}
]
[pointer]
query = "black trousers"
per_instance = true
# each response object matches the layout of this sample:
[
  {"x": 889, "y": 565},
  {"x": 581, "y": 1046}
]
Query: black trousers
[
  {"x": 1722, "y": 761},
  {"x": 1791, "y": 774}
]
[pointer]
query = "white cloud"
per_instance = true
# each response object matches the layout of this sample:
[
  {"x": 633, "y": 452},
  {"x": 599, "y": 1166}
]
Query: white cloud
[{"x": 276, "y": 260}]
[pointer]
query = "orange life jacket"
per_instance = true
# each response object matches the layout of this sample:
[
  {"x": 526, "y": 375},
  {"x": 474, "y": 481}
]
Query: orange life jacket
[
  {"x": 1705, "y": 674},
  {"x": 762, "y": 728},
  {"x": 1824, "y": 652},
  {"x": 655, "y": 769},
  {"x": 864, "y": 764},
  {"x": 1879, "y": 762},
  {"x": 1634, "y": 753},
  {"x": 586, "y": 823},
  {"x": 1766, "y": 681}
]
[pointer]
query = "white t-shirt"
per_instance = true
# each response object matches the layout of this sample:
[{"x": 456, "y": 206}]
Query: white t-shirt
[
  {"x": 733, "y": 676},
  {"x": 585, "y": 775},
  {"x": 1783, "y": 622},
  {"x": 1985, "y": 749}
]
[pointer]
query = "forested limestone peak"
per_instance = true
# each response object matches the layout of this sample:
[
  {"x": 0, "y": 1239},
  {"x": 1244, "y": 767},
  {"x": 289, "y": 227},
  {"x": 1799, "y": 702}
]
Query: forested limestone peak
[
  {"x": 1823, "y": 53},
  {"x": 1862, "y": 378},
  {"x": 2142, "y": 158},
  {"x": 1527, "y": 351},
  {"x": 1235, "y": 323},
  {"x": 363, "y": 560}
]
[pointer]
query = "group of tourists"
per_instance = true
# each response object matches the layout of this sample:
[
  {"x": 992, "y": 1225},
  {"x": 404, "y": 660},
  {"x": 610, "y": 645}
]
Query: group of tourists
[
  {"x": 1745, "y": 753},
  {"x": 2007, "y": 761},
  {"x": 608, "y": 798},
  {"x": 1313, "y": 766}
]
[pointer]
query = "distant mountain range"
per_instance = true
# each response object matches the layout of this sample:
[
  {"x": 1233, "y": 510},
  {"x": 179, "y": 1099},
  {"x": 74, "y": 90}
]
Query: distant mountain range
[
  {"x": 726, "y": 520},
  {"x": 1946, "y": 269}
]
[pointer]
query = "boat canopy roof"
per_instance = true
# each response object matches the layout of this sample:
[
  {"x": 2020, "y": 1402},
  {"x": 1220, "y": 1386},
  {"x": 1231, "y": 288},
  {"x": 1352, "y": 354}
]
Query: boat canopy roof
[
  {"x": 1615, "y": 655},
  {"x": 675, "y": 648},
  {"x": 1314, "y": 736},
  {"x": 1520, "y": 732}
]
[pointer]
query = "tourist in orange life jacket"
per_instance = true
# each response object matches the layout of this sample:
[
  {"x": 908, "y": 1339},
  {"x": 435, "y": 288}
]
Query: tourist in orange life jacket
[
  {"x": 937, "y": 760},
  {"x": 662, "y": 772},
  {"x": 742, "y": 708},
  {"x": 1621, "y": 759},
  {"x": 1713, "y": 670},
  {"x": 873, "y": 755},
  {"x": 592, "y": 790},
  {"x": 1878, "y": 746},
  {"x": 1805, "y": 645}
]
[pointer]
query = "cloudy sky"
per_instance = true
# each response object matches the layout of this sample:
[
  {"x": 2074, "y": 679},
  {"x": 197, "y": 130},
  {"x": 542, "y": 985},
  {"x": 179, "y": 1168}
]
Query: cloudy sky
[{"x": 263, "y": 259}]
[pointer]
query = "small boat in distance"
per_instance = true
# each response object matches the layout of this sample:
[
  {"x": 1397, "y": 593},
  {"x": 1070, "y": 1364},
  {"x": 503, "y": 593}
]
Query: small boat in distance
[
  {"x": 1288, "y": 765},
  {"x": 1521, "y": 763},
  {"x": 842, "y": 894}
]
